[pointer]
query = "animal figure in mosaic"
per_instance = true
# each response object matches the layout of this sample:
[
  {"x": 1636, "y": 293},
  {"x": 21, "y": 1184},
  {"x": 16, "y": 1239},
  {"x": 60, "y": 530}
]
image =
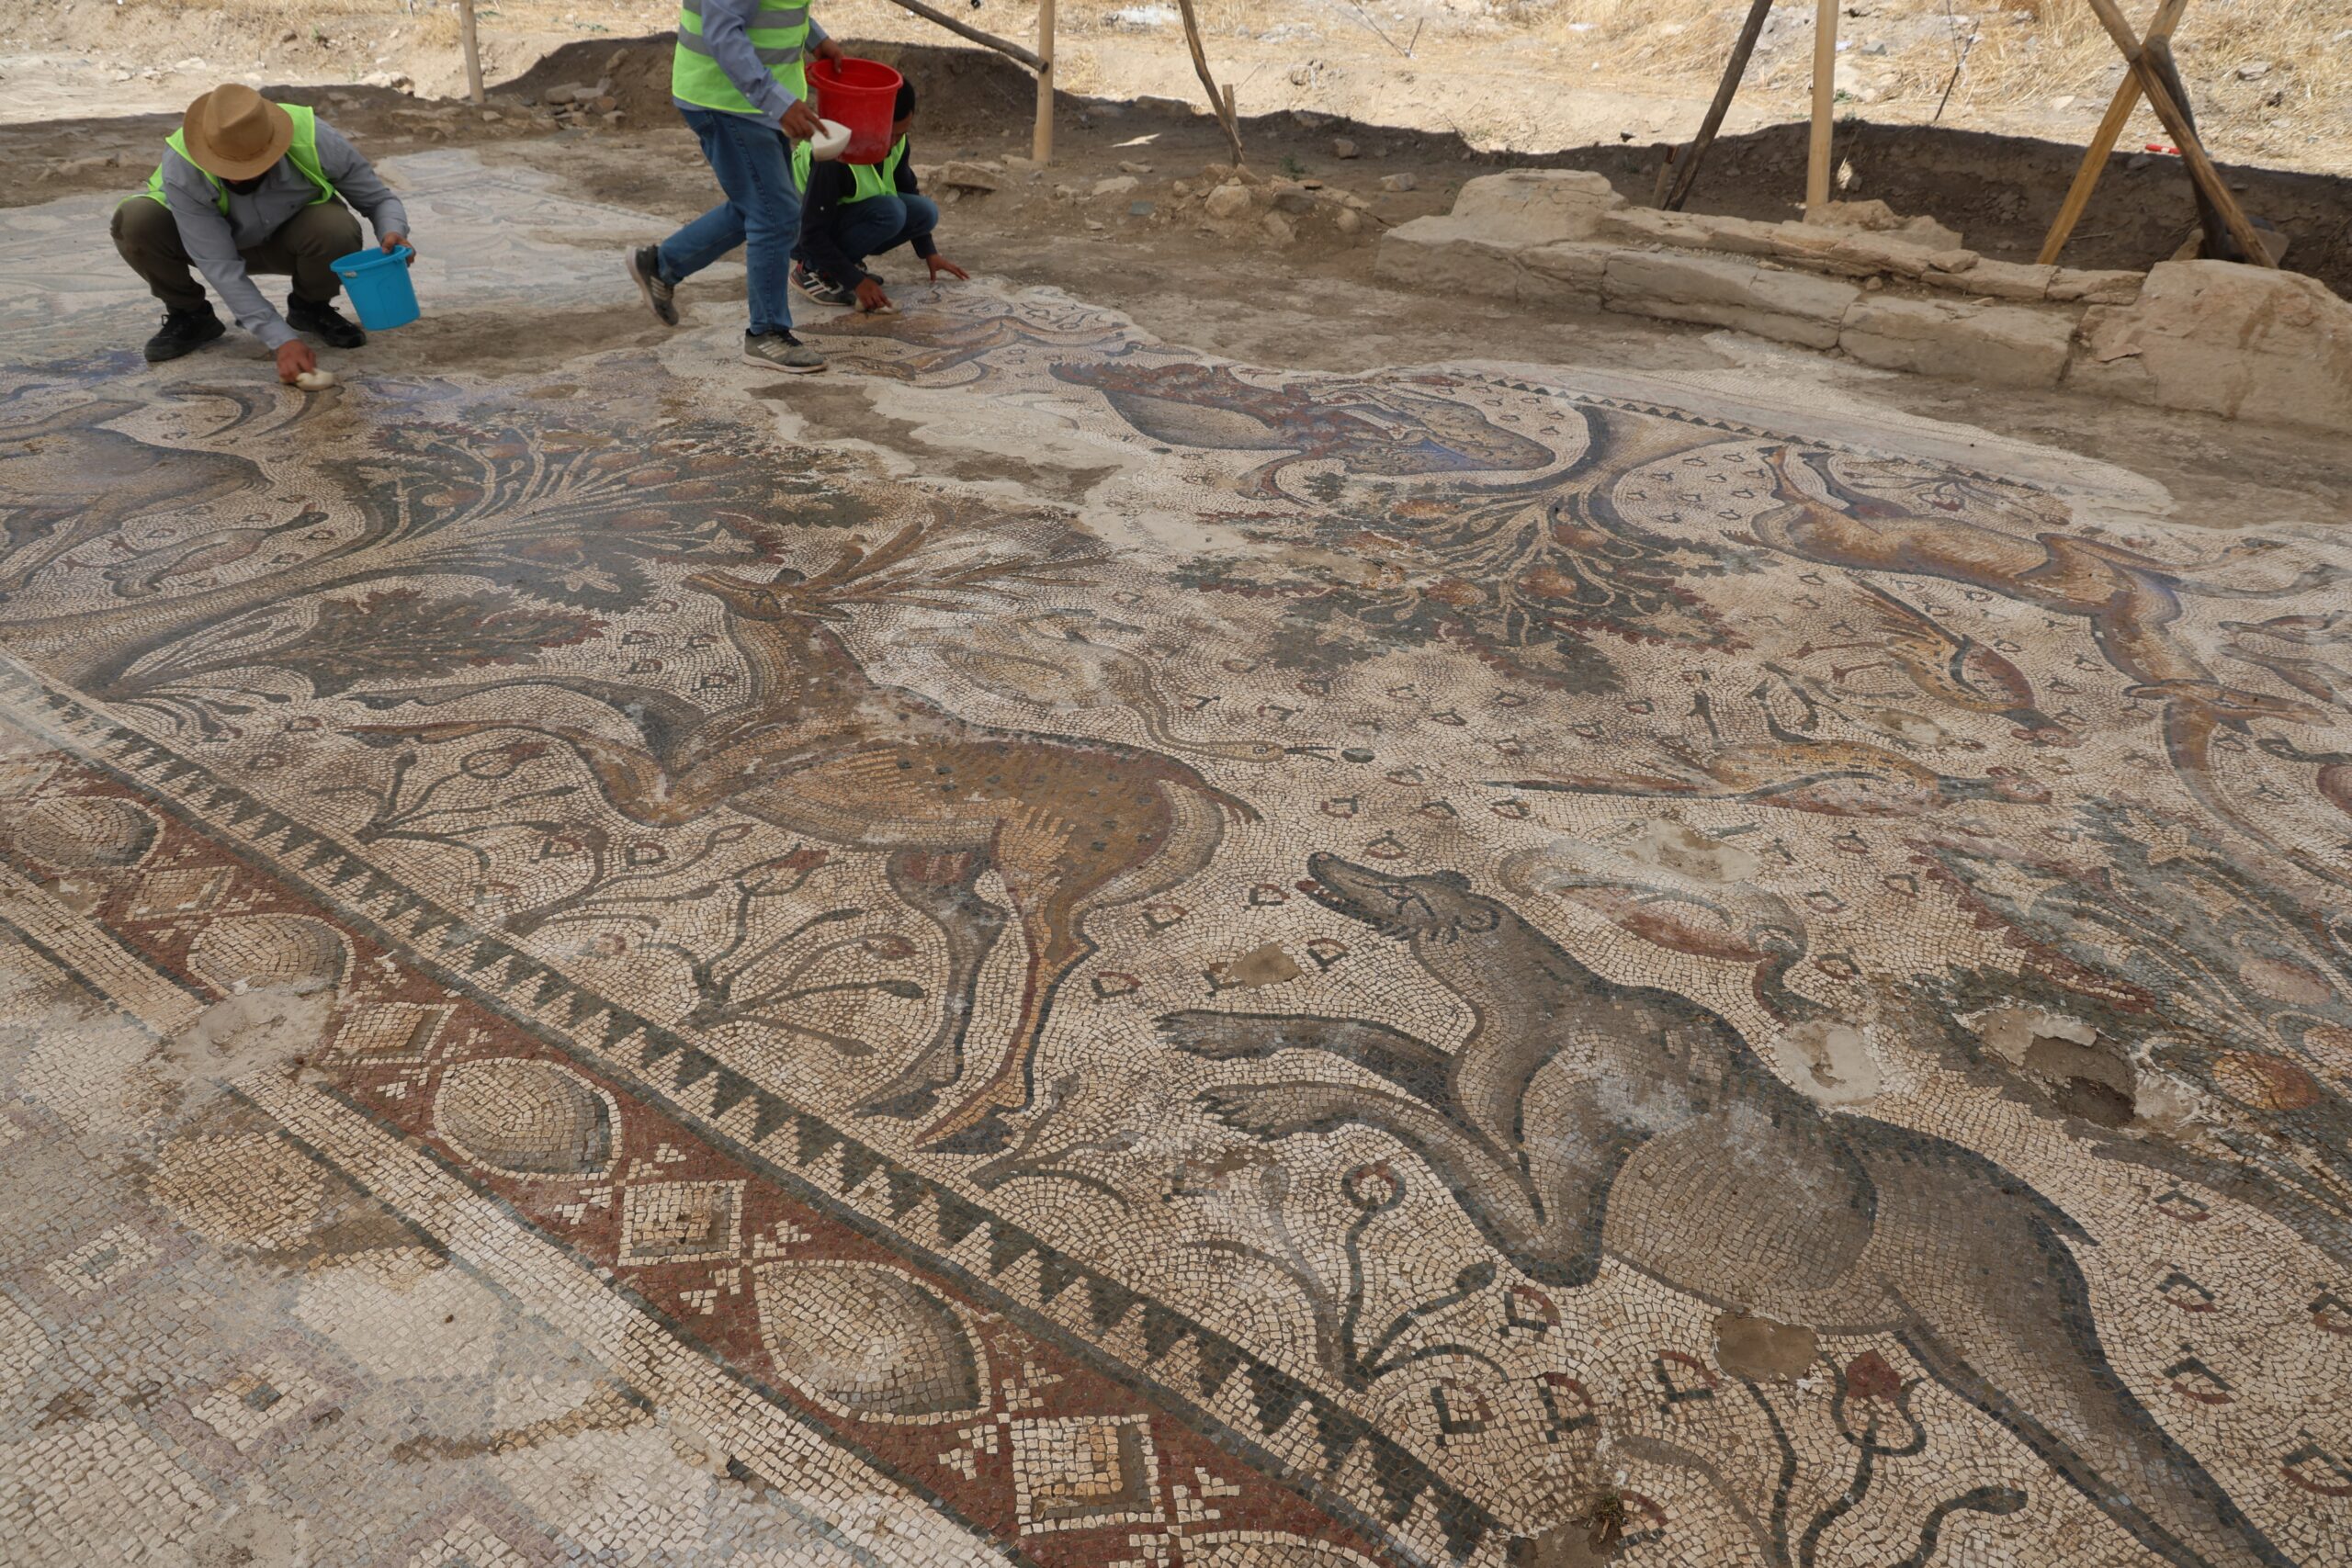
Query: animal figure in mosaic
[
  {"x": 1717, "y": 918},
  {"x": 2132, "y": 602},
  {"x": 1371, "y": 429},
  {"x": 926, "y": 345},
  {"x": 2299, "y": 650},
  {"x": 66, "y": 479},
  {"x": 819, "y": 747},
  {"x": 1651, "y": 1110},
  {"x": 1947, "y": 665},
  {"x": 1800, "y": 773},
  {"x": 1047, "y": 661}
]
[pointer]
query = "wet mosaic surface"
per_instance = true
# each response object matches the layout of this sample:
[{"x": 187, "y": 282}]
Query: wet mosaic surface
[{"x": 1175, "y": 965}]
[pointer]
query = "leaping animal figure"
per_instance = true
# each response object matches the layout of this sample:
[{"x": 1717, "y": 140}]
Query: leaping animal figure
[{"x": 1847, "y": 1225}]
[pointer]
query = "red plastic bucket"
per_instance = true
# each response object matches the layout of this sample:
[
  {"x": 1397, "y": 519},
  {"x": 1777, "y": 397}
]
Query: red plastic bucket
[{"x": 864, "y": 95}]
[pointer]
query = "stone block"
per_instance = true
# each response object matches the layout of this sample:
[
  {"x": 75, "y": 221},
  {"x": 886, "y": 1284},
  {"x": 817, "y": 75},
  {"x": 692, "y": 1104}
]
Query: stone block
[
  {"x": 1899, "y": 255},
  {"x": 2000, "y": 345},
  {"x": 1788, "y": 307},
  {"x": 1441, "y": 253},
  {"x": 1876, "y": 216},
  {"x": 1566, "y": 274},
  {"x": 2217, "y": 337},
  {"x": 2097, "y": 287},
  {"x": 1690, "y": 230},
  {"x": 1537, "y": 206},
  {"x": 1989, "y": 279}
]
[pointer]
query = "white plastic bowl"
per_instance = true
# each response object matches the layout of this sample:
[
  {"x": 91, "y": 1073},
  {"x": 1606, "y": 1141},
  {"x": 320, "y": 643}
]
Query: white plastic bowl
[{"x": 830, "y": 142}]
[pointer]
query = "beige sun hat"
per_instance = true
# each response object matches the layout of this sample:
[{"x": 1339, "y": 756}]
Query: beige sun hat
[{"x": 235, "y": 133}]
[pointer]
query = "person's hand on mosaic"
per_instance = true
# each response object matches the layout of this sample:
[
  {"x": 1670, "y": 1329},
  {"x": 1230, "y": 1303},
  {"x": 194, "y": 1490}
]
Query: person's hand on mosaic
[
  {"x": 800, "y": 122},
  {"x": 871, "y": 298},
  {"x": 939, "y": 265},
  {"x": 394, "y": 241},
  {"x": 295, "y": 358}
]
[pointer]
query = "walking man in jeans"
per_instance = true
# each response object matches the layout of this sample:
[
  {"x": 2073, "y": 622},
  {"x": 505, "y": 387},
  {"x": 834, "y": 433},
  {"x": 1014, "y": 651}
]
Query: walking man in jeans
[{"x": 740, "y": 78}]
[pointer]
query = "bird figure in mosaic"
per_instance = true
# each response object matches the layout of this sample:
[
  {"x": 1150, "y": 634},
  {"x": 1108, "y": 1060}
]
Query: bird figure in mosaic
[
  {"x": 1947, "y": 665},
  {"x": 1659, "y": 1141}
]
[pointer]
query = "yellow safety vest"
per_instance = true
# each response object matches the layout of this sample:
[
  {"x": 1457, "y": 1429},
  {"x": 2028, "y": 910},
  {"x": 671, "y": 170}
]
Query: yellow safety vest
[
  {"x": 877, "y": 179},
  {"x": 303, "y": 153}
]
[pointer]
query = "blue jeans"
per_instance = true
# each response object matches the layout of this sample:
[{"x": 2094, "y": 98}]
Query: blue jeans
[
  {"x": 762, "y": 212},
  {"x": 882, "y": 223}
]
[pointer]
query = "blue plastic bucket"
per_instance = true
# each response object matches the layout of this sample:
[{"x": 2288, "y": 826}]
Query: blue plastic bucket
[{"x": 378, "y": 286}]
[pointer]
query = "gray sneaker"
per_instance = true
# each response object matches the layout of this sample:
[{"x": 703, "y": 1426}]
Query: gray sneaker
[
  {"x": 644, "y": 264},
  {"x": 781, "y": 351}
]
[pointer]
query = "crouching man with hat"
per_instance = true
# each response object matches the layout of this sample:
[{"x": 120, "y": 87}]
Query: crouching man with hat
[{"x": 247, "y": 187}]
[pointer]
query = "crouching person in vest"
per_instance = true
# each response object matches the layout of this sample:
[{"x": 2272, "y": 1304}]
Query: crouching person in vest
[
  {"x": 857, "y": 211},
  {"x": 740, "y": 78},
  {"x": 251, "y": 186}
]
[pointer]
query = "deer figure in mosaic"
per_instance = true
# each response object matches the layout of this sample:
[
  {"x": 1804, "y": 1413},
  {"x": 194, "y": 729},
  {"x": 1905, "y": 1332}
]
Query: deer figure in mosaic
[
  {"x": 819, "y": 747},
  {"x": 2130, "y": 602}
]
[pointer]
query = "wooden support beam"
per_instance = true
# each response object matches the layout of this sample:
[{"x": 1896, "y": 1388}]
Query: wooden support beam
[
  {"x": 1220, "y": 104},
  {"x": 2184, "y": 134},
  {"x": 1726, "y": 90},
  {"x": 1825, "y": 102},
  {"x": 1041, "y": 140},
  {"x": 966, "y": 30},
  {"x": 473, "y": 51},
  {"x": 2119, "y": 110}
]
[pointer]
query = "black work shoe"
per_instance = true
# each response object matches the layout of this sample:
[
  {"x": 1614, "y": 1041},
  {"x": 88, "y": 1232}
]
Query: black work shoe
[
  {"x": 644, "y": 266},
  {"x": 334, "y": 329},
  {"x": 819, "y": 287},
  {"x": 183, "y": 331}
]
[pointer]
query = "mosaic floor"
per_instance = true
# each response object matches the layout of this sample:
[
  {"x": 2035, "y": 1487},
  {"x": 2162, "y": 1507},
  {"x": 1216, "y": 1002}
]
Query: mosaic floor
[{"x": 1170, "y": 964}]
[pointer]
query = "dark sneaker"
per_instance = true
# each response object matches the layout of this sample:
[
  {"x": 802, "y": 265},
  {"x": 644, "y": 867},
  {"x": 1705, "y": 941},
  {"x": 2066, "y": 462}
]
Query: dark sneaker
[
  {"x": 821, "y": 288},
  {"x": 183, "y": 331},
  {"x": 644, "y": 266},
  {"x": 781, "y": 351},
  {"x": 332, "y": 327}
]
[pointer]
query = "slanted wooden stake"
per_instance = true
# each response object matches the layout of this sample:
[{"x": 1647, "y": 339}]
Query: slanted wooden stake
[
  {"x": 1219, "y": 104},
  {"x": 474, "y": 51},
  {"x": 1041, "y": 141},
  {"x": 966, "y": 30},
  {"x": 2110, "y": 130},
  {"x": 1825, "y": 102},
  {"x": 2184, "y": 134},
  {"x": 1736, "y": 68}
]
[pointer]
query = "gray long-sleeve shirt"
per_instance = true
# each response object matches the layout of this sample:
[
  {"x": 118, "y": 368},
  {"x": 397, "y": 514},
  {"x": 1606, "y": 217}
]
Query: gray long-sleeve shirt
[
  {"x": 214, "y": 238},
  {"x": 724, "y": 25}
]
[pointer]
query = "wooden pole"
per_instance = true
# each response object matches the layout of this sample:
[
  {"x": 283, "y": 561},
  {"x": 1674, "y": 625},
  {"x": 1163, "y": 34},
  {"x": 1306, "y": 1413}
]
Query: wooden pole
[
  {"x": 2184, "y": 134},
  {"x": 1041, "y": 140},
  {"x": 474, "y": 51},
  {"x": 966, "y": 30},
  {"x": 1733, "y": 70},
  {"x": 2110, "y": 130},
  {"x": 1825, "y": 102},
  {"x": 1218, "y": 104}
]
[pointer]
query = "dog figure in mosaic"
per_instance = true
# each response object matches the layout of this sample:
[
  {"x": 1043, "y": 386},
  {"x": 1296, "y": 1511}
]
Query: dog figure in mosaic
[{"x": 1657, "y": 1138}]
